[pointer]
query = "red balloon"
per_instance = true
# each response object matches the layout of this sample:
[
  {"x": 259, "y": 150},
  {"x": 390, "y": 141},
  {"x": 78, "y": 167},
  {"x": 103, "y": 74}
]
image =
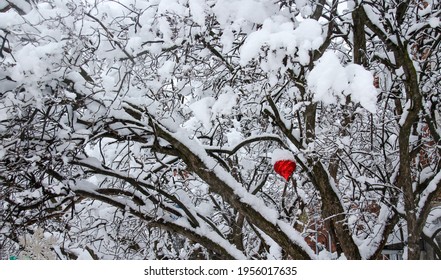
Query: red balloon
[{"x": 285, "y": 168}]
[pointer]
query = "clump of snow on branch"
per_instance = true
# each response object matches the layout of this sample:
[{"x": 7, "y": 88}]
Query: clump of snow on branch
[
  {"x": 202, "y": 110},
  {"x": 330, "y": 82},
  {"x": 279, "y": 33},
  {"x": 279, "y": 154},
  {"x": 238, "y": 11},
  {"x": 208, "y": 108}
]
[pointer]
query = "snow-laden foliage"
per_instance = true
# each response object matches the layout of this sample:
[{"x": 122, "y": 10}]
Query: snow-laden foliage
[{"x": 148, "y": 129}]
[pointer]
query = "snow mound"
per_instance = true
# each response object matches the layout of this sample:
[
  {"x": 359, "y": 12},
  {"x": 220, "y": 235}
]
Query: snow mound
[
  {"x": 330, "y": 82},
  {"x": 279, "y": 154}
]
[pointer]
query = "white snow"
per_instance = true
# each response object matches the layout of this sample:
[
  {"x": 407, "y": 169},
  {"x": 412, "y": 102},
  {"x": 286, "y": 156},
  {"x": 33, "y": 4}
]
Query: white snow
[
  {"x": 224, "y": 104},
  {"x": 361, "y": 87},
  {"x": 280, "y": 35},
  {"x": 202, "y": 110},
  {"x": 254, "y": 11},
  {"x": 3, "y": 4},
  {"x": 166, "y": 69},
  {"x": 197, "y": 8},
  {"x": 434, "y": 22},
  {"x": 328, "y": 79},
  {"x": 433, "y": 222},
  {"x": 206, "y": 109},
  {"x": 134, "y": 45},
  {"x": 33, "y": 62},
  {"x": 234, "y": 137},
  {"x": 330, "y": 82},
  {"x": 22, "y": 4},
  {"x": 279, "y": 154},
  {"x": 431, "y": 187},
  {"x": 310, "y": 31}
]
